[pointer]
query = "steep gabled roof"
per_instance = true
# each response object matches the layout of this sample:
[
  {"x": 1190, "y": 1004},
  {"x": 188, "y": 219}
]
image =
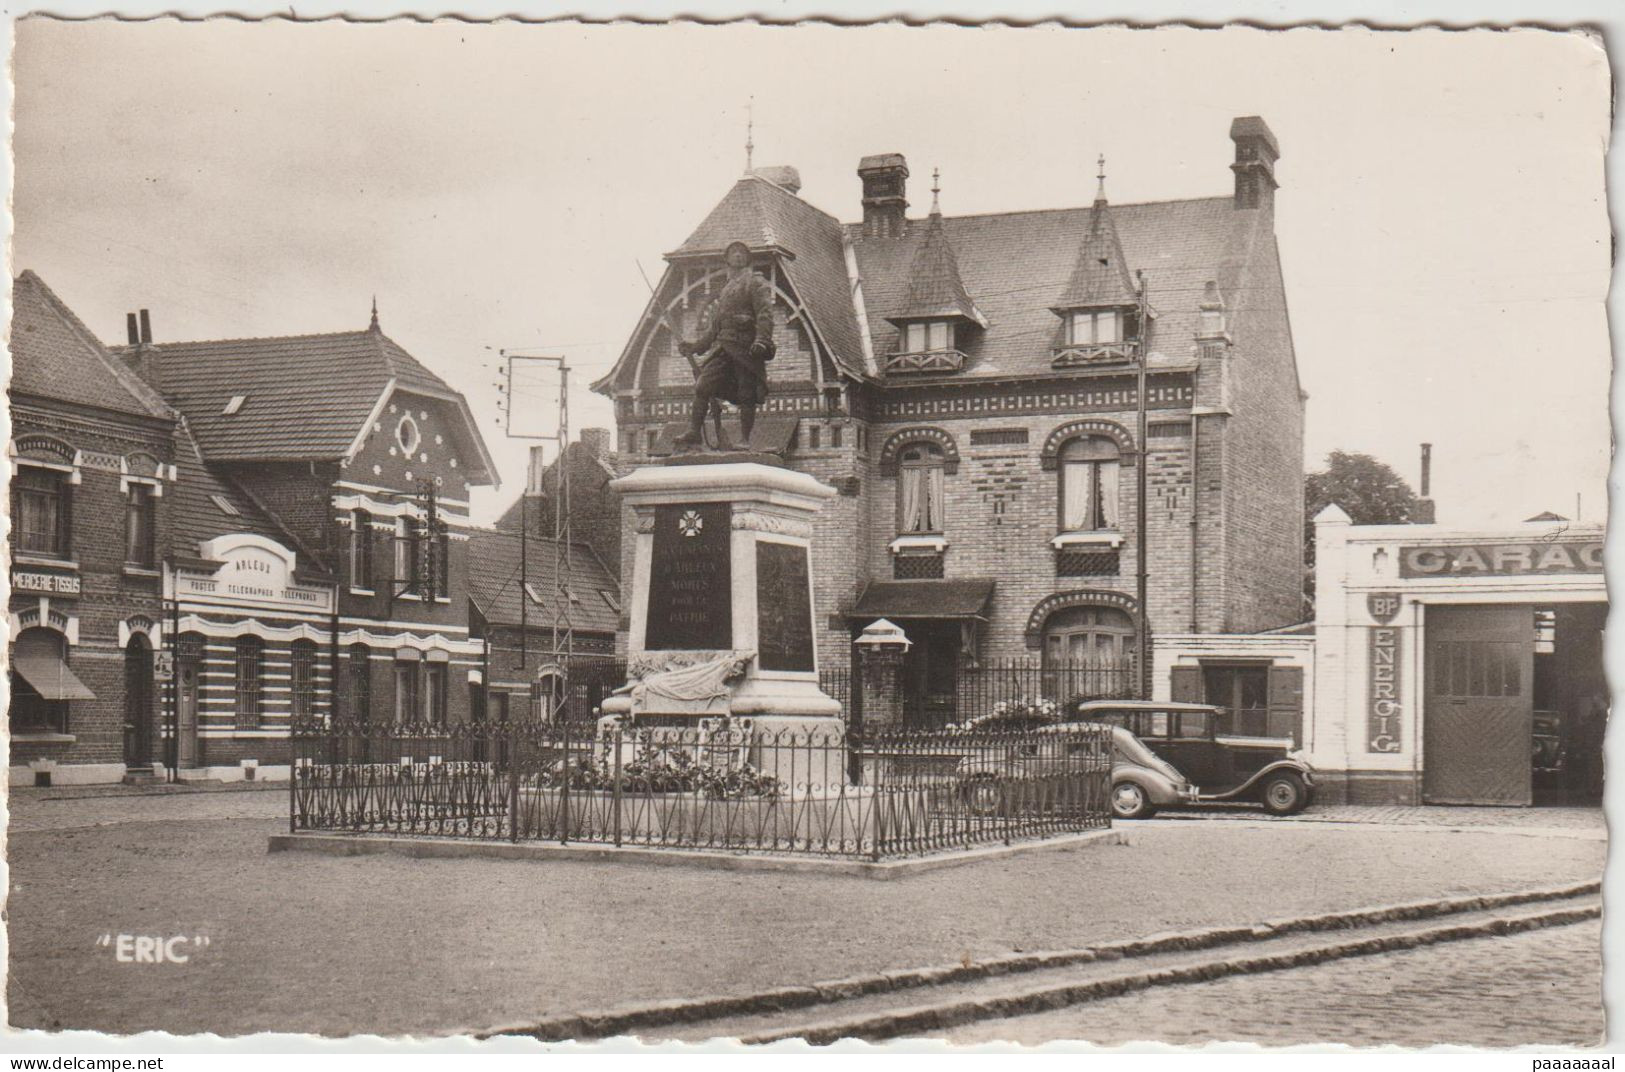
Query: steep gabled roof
[
  {"x": 1101, "y": 274},
  {"x": 304, "y": 397},
  {"x": 1015, "y": 263},
  {"x": 53, "y": 355},
  {"x": 769, "y": 218},
  {"x": 935, "y": 288},
  {"x": 494, "y": 582}
]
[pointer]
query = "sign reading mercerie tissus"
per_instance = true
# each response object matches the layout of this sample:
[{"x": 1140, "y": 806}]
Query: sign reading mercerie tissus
[{"x": 1501, "y": 559}]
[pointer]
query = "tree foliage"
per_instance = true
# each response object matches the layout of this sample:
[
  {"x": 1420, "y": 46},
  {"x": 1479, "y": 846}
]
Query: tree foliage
[{"x": 1368, "y": 490}]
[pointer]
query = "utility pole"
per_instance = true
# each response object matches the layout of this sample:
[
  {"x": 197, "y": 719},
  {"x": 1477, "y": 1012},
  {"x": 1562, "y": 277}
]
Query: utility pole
[{"x": 1141, "y": 551}]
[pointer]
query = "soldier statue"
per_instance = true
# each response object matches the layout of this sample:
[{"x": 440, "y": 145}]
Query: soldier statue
[{"x": 739, "y": 324}]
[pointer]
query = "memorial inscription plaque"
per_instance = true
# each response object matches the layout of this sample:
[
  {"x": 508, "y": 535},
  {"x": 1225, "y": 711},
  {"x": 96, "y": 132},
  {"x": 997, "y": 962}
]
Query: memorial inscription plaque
[
  {"x": 783, "y": 608},
  {"x": 690, "y": 584}
]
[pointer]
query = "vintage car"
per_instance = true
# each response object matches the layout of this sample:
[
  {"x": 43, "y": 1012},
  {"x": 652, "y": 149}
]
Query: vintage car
[
  {"x": 1224, "y": 768},
  {"x": 992, "y": 781}
]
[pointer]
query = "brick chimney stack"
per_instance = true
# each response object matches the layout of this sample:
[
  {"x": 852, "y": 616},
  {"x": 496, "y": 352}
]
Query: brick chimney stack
[
  {"x": 140, "y": 356},
  {"x": 1256, "y": 154},
  {"x": 596, "y": 440},
  {"x": 885, "y": 190},
  {"x": 1425, "y": 512}
]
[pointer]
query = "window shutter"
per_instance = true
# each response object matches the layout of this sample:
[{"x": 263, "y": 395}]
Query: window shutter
[
  {"x": 1286, "y": 703},
  {"x": 1185, "y": 684}
]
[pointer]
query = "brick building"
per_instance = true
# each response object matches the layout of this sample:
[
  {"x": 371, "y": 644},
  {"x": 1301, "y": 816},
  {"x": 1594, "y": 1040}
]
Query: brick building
[
  {"x": 324, "y": 539},
  {"x": 595, "y": 509},
  {"x": 92, "y": 491},
  {"x": 969, "y": 386},
  {"x": 522, "y": 609}
]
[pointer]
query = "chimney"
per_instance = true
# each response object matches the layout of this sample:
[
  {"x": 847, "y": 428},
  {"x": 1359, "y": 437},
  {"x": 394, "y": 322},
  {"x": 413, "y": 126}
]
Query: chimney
[
  {"x": 783, "y": 176},
  {"x": 596, "y": 440},
  {"x": 885, "y": 201},
  {"x": 1424, "y": 508},
  {"x": 141, "y": 357},
  {"x": 535, "y": 473},
  {"x": 1256, "y": 154}
]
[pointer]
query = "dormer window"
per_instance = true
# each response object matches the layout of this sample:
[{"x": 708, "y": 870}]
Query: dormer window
[
  {"x": 1091, "y": 328},
  {"x": 928, "y": 335},
  {"x": 1097, "y": 337}
]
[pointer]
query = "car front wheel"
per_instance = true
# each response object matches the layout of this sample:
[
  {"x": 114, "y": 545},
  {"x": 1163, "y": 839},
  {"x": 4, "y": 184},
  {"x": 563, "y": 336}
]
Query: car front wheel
[
  {"x": 1284, "y": 794},
  {"x": 1130, "y": 802}
]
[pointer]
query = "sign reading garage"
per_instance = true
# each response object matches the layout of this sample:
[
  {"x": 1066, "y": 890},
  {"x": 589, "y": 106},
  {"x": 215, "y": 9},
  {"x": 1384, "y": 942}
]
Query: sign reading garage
[{"x": 1501, "y": 559}]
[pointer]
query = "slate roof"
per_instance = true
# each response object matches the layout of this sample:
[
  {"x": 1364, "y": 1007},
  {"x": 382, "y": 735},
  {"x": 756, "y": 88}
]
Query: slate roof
[
  {"x": 53, "y": 355},
  {"x": 1101, "y": 275},
  {"x": 767, "y": 216},
  {"x": 493, "y": 582},
  {"x": 305, "y": 396},
  {"x": 935, "y": 288},
  {"x": 1014, "y": 264},
  {"x": 196, "y": 517}
]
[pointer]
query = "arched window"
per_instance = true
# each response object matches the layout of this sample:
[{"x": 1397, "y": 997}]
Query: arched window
[
  {"x": 250, "y": 662},
  {"x": 359, "y": 669},
  {"x": 919, "y": 488},
  {"x": 1094, "y": 637},
  {"x": 304, "y": 678},
  {"x": 361, "y": 550},
  {"x": 1089, "y": 467}
]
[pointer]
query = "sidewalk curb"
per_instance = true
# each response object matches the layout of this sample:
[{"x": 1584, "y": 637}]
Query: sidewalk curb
[
  {"x": 610, "y": 1022},
  {"x": 434, "y": 848},
  {"x": 926, "y": 1018}
]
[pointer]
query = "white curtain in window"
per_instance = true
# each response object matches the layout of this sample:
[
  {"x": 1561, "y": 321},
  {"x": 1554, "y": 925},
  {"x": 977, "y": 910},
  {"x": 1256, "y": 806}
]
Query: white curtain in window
[
  {"x": 913, "y": 505},
  {"x": 915, "y": 339},
  {"x": 938, "y": 335},
  {"x": 1076, "y": 494},
  {"x": 1106, "y": 327},
  {"x": 1106, "y": 494}
]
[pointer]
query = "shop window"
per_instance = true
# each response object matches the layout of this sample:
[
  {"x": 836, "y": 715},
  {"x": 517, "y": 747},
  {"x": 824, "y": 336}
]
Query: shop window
[
  {"x": 304, "y": 679},
  {"x": 361, "y": 550},
  {"x": 250, "y": 668},
  {"x": 360, "y": 672},
  {"x": 41, "y": 503},
  {"x": 920, "y": 489},
  {"x": 31, "y": 710},
  {"x": 140, "y": 526},
  {"x": 434, "y": 690},
  {"x": 406, "y": 692},
  {"x": 1091, "y": 637},
  {"x": 1089, "y": 467}
]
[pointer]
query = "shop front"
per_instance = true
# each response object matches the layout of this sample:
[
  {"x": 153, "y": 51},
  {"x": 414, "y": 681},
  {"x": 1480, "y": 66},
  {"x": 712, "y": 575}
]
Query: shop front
[{"x": 1459, "y": 667}]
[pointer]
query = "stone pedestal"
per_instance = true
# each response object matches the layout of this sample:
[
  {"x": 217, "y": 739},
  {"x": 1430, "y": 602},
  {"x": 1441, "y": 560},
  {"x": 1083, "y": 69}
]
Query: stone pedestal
[{"x": 723, "y": 564}]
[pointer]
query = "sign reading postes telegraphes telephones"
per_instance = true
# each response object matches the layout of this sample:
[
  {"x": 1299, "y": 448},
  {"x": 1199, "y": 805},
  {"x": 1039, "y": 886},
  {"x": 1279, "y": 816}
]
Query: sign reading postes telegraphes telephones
[{"x": 1383, "y": 733}]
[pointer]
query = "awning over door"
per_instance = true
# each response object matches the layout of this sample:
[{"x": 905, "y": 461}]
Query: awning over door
[
  {"x": 959, "y": 597},
  {"x": 50, "y": 676}
]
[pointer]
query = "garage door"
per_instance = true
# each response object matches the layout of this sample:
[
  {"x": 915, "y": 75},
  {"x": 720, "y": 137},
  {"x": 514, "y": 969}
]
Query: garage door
[{"x": 1479, "y": 664}]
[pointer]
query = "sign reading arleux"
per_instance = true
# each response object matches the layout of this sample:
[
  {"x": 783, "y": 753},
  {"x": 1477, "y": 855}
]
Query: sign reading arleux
[
  {"x": 62, "y": 584},
  {"x": 690, "y": 579},
  {"x": 1382, "y": 722},
  {"x": 251, "y": 570},
  {"x": 784, "y": 638},
  {"x": 1501, "y": 559}
]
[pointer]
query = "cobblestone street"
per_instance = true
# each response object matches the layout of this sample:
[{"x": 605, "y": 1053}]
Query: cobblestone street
[
  {"x": 395, "y": 945},
  {"x": 1542, "y": 987}
]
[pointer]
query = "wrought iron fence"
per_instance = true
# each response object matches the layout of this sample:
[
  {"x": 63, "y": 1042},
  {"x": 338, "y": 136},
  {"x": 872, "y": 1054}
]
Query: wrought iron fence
[
  {"x": 722, "y": 785},
  {"x": 1007, "y": 689}
]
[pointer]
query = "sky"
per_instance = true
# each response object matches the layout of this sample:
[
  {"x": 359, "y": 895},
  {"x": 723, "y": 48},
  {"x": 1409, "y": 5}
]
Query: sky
[{"x": 1441, "y": 217}]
